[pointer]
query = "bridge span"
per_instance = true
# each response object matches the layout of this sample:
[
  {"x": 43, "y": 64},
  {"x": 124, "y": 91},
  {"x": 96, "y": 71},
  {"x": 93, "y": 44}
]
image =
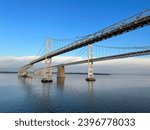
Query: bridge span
[
  {"x": 137, "y": 21},
  {"x": 61, "y": 67},
  {"x": 125, "y": 55}
]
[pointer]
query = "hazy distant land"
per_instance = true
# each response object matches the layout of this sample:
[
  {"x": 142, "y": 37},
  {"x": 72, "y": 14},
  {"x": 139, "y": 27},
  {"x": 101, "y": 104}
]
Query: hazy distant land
[{"x": 9, "y": 72}]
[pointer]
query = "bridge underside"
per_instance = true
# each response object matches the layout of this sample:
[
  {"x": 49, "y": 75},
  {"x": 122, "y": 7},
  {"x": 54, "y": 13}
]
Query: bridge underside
[
  {"x": 126, "y": 55},
  {"x": 132, "y": 23},
  {"x": 96, "y": 38}
]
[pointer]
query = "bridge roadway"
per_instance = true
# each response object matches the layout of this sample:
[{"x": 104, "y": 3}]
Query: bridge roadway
[
  {"x": 125, "y": 55},
  {"x": 119, "y": 56},
  {"x": 140, "y": 20}
]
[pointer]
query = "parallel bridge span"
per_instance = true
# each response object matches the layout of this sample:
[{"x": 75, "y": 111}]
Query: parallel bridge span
[
  {"x": 125, "y": 55},
  {"x": 119, "y": 56}
]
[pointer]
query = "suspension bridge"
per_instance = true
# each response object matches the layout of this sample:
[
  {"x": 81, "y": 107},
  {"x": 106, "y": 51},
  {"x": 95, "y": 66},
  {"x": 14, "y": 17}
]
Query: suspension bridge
[{"x": 137, "y": 21}]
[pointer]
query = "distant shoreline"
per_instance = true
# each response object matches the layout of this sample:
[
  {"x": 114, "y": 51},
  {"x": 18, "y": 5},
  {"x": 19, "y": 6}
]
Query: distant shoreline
[
  {"x": 87, "y": 73},
  {"x": 5, "y": 72}
]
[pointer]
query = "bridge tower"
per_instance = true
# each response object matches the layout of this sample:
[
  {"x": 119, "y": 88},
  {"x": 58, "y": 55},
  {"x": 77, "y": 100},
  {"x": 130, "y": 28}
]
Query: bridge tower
[
  {"x": 90, "y": 64},
  {"x": 47, "y": 72}
]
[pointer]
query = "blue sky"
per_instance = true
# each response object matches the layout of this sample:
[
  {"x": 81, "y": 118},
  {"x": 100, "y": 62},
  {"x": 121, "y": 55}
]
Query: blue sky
[{"x": 25, "y": 24}]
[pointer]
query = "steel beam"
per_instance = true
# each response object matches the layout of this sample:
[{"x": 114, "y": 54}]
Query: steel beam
[{"x": 140, "y": 20}]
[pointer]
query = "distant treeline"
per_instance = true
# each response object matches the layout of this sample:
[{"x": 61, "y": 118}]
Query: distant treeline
[{"x": 7, "y": 72}]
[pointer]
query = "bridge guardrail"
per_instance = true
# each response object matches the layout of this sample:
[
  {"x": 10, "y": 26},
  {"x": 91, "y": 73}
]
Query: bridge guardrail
[
  {"x": 86, "y": 40},
  {"x": 110, "y": 28}
]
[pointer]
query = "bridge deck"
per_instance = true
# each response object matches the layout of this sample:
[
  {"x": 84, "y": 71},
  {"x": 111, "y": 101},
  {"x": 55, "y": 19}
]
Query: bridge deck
[
  {"x": 140, "y": 20},
  {"x": 125, "y": 55}
]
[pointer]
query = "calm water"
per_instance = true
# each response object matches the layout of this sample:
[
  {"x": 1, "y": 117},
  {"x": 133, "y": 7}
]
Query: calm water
[{"x": 111, "y": 93}]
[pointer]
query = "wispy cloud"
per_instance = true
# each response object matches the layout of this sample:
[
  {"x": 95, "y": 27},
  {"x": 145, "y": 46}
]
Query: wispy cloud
[
  {"x": 12, "y": 63},
  {"x": 120, "y": 66}
]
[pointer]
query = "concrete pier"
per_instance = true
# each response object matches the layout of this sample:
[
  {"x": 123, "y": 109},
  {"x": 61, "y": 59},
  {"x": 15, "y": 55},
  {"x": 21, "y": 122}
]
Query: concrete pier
[
  {"x": 47, "y": 77},
  {"x": 46, "y": 80},
  {"x": 61, "y": 71},
  {"x": 90, "y": 79}
]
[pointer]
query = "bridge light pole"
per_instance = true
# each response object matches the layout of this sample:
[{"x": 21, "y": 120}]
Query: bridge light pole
[
  {"x": 47, "y": 72},
  {"x": 90, "y": 64}
]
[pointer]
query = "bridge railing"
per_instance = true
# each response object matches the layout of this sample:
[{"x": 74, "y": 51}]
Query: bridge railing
[
  {"x": 109, "y": 28},
  {"x": 103, "y": 34},
  {"x": 123, "y": 23}
]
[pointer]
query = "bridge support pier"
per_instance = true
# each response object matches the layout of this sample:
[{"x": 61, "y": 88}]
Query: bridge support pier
[
  {"x": 60, "y": 71},
  {"x": 47, "y": 75},
  {"x": 90, "y": 64},
  {"x": 22, "y": 73}
]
